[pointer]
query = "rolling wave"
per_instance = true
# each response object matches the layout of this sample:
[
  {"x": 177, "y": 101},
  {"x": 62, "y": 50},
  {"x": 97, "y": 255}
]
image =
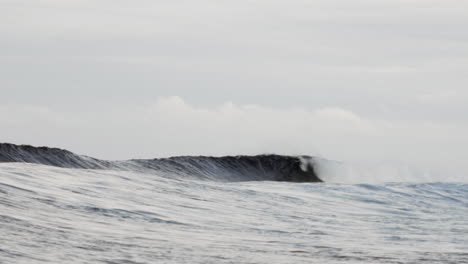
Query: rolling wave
[
  {"x": 227, "y": 168},
  {"x": 77, "y": 209}
]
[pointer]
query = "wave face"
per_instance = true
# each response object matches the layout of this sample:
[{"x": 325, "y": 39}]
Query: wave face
[
  {"x": 67, "y": 208},
  {"x": 229, "y": 168}
]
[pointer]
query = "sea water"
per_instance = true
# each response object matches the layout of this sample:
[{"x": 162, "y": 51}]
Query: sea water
[{"x": 66, "y": 215}]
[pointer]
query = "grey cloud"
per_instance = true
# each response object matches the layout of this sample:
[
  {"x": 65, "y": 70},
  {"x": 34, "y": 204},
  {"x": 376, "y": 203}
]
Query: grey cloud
[{"x": 395, "y": 61}]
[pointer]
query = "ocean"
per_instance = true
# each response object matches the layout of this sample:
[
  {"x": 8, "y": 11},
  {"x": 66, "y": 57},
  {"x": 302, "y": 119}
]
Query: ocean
[{"x": 60, "y": 207}]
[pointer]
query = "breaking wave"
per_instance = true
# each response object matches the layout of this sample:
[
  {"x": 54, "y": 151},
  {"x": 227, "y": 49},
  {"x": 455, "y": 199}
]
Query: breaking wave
[
  {"x": 60, "y": 207},
  {"x": 228, "y": 168}
]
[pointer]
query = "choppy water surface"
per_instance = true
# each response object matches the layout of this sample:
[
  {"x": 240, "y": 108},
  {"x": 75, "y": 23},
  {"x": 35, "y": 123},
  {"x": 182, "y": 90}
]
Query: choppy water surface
[{"x": 63, "y": 215}]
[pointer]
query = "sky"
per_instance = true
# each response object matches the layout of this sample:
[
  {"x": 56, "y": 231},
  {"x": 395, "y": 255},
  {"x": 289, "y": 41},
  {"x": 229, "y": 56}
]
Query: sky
[{"x": 377, "y": 81}]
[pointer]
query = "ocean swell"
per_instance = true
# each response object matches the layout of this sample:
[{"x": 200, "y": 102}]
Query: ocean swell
[{"x": 227, "y": 168}]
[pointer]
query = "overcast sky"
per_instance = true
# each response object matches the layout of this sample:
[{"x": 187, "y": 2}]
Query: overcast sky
[{"x": 380, "y": 80}]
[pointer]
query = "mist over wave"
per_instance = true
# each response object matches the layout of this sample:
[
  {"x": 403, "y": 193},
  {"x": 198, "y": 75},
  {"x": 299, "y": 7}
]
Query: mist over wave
[
  {"x": 375, "y": 173},
  {"x": 60, "y": 207}
]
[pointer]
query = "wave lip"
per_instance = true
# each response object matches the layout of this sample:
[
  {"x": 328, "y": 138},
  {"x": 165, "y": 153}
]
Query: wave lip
[{"x": 227, "y": 168}]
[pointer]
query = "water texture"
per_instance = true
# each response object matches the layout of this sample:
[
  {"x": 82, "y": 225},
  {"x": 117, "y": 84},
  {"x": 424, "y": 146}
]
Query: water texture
[{"x": 57, "y": 214}]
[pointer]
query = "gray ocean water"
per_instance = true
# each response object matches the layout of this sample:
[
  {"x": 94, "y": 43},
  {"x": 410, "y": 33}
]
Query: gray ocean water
[{"x": 68, "y": 215}]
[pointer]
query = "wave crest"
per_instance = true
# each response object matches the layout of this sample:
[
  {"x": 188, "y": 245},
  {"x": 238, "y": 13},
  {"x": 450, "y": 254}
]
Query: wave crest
[{"x": 227, "y": 168}]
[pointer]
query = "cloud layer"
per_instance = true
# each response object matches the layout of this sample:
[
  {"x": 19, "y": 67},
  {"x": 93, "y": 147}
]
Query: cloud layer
[
  {"x": 383, "y": 59},
  {"x": 349, "y": 80}
]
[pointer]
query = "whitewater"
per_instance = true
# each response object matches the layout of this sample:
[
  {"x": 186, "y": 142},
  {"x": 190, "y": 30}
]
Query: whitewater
[{"x": 60, "y": 207}]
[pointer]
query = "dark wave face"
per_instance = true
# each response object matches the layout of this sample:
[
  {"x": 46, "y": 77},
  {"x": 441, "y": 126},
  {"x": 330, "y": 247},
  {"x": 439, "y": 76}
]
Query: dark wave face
[{"x": 228, "y": 168}]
